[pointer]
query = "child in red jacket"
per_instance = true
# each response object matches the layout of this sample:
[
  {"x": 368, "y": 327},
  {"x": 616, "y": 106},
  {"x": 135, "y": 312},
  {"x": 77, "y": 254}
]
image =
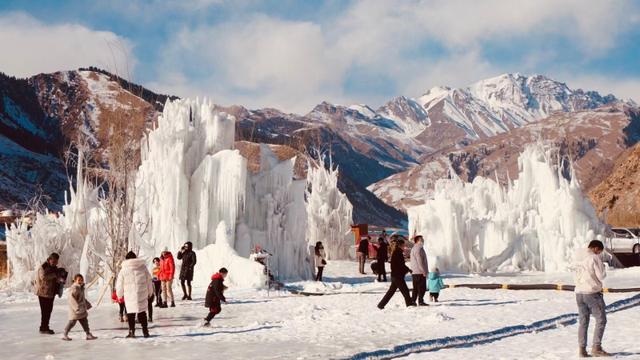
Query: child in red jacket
[
  {"x": 120, "y": 302},
  {"x": 167, "y": 271},
  {"x": 215, "y": 295}
]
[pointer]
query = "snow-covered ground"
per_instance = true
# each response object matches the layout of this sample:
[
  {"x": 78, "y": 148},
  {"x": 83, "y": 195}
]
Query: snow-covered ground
[{"x": 345, "y": 323}]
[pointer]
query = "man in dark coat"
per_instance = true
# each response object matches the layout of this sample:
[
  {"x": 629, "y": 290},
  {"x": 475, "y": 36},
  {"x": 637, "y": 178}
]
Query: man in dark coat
[
  {"x": 215, "y": 295},
  {"x": 188, "y": 257},
  {"x": 398, "y": 270},
  {"x": 46, "y": 287},
  {"x": 363, "y": 251},
  {"x": 382, "y": 255}
]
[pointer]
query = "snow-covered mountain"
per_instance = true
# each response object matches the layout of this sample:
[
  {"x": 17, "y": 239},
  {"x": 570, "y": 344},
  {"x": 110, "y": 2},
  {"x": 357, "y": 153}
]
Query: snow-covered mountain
[{"x": 41, "y": 115}]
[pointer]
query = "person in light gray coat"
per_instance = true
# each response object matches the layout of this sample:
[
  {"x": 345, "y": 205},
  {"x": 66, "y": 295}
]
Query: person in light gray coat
[
  {"x": 78, "y": 306},
  {"x": 420, "y": 267}
]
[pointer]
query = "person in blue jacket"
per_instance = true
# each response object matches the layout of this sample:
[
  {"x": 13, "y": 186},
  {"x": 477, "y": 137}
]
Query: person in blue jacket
[{"x": 435, "y": 284}]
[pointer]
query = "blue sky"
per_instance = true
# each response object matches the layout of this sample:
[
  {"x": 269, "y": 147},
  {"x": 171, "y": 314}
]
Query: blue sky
[{"x": 295, "y": 54}]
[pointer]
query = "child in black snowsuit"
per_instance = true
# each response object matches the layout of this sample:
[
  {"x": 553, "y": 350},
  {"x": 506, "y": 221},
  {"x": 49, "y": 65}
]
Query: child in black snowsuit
[{"x": 215, "y": 295}]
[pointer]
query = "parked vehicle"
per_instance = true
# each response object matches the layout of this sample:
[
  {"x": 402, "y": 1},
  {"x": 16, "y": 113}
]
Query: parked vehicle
[{"x": 623, "y": 241}]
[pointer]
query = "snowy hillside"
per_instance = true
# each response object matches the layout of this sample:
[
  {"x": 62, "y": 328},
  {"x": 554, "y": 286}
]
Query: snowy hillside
[{"x": 592, "y": 139}]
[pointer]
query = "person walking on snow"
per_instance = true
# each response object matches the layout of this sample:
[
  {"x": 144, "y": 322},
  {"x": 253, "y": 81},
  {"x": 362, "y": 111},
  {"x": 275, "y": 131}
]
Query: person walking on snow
[
  {"x": 363, "y": 251},
  {"x": 420, "y": 267},
  {"x": 46, "y": 287},
  {"x": 320, "y": 260},
  {"x": 157, "y": 284},
  {"x": 188, "y": 257},
  {"x": 215, "y": 295},
  {"x": 398, "y": 270},
  {"x": 134, "y": 284},
  {"x": 589, "y": 274},
  {"x": 78, "y": 306},
  {"x": 122, "y": 311},
  {"x": 382, "y": 256},
  {"x": 167, "y": 272},
  {"x": 435, "y": 284}
]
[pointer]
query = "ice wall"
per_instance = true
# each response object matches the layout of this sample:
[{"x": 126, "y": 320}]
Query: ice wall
[
  {"x": 533, "y": 224},
  {"x": 329, "y": 211}
]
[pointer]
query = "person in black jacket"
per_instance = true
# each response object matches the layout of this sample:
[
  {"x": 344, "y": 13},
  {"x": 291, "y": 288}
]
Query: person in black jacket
[
  {"x": 398, "y": 271},
  {"x": 188, "y": 257},
  {"x": 363, "y": 251},
  {"x": 215, "y": 295},
  {"x": 382, "y": 256}
]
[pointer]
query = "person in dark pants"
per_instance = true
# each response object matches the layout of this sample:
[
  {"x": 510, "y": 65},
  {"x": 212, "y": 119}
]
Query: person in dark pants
[
  {"x": 382, "y": 256},
  {"x": 46, "y": 288},
  {"x": 319, "y": 259},
  {"x": 134, "y": 284},
  {"x": 215, "y": 295},
  {"x": 157, "y": 284},
  {"x": 188, "y": 257},
  {"x": 363, "y": 251},
  {"x": 398, "y": 271},
  {"x": 420, "y": 268}
]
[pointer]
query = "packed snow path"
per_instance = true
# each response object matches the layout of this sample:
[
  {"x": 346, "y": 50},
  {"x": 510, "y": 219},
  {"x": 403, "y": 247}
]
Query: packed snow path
[{"x": 280, "y": 325}]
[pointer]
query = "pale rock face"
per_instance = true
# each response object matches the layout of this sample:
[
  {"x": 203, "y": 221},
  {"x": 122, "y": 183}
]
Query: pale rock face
[{"x": 535, "y": 223}]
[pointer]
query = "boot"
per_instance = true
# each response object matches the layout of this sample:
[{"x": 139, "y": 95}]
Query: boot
[
  {"x": 91, "y": 337},
  {"x": 173, "y": 304},
  {"x": 189, "y": 293},
  {"x": 66, "y": 337},
  {"x": 132, "y": 334},
  {"x": 582, "y": 352},
  {"x": 597, "y": 351},
  {"x": 144, "y": 324}
]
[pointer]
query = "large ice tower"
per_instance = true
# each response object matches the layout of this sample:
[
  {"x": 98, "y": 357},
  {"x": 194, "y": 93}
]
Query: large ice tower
[{"x": 533, "y": 224}]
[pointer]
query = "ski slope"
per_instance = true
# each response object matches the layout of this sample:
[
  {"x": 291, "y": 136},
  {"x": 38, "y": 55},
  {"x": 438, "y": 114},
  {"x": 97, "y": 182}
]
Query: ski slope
[{"x": 485, "y": 324}]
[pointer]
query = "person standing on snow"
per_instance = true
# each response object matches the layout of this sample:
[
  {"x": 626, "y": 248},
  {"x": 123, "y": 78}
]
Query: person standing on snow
[
  {"x": 167, "y": 272},
  {"x": 157, "y": 284},
  {"x": 435, "y": 284},
  {"x": 398, "y": 270},
  {"x": 134, "y": 284},
  {"x": 363, "y": 251},
  {"x": 420, "y": 267},
  {"x": 215, "y": 295},
  {"x": 320, "y": 260},
  {"x": 188, "y": 257},
  {"x": 382, "y": 256},
  {"x": 46, "y": 287},
  {"x": 589, "y": 274},
  {"x": 78, "y": 307}
]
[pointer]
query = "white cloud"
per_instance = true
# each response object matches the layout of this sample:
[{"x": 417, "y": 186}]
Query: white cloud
[
  {"x": 264, "y": 61},
  {"x": 32, "y": 47}
]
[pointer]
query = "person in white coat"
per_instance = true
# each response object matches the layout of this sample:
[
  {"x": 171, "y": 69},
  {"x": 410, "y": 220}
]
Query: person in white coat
[
  {"x": 135, "y": 285},
  {"x": 320, "y": 259},
  {"x": 589, "y": 274},
  {"x": 420, "y": 267}
]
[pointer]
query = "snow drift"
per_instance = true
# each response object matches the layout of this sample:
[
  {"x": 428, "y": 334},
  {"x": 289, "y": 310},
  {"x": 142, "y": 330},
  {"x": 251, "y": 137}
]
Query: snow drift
[{"x": 535, "y": 223}]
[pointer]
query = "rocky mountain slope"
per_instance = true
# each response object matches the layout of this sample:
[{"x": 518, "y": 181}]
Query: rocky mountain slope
[
  {"x": 618, "y": 195},
  {"x": 591, "y": 139},
  {"x": 41, "y": 115}
]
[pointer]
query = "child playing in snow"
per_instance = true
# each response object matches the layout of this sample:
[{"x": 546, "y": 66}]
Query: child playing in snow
[
  {"x": 435, "y": 284},
  {"x": 215, "y": 295},
  {"x": 78, "y": 306},
  {"x": 122, "y": 309}
]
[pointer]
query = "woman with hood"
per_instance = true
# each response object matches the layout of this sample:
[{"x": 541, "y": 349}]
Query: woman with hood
[
  {"x": 167, "y": 272},
  {"x": 320, "y": 259},
  {"x": 134, "y": 284},
  {"x": 188, "y": 257}
]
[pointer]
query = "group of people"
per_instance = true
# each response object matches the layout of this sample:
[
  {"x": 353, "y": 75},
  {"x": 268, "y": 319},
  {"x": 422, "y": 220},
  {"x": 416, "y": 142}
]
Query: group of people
[{"x": 136, "y": 287}]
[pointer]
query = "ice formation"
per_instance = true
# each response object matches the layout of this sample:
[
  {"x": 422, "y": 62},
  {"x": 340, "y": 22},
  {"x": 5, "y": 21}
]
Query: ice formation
[
  {"x": 71, "y": 234},
  {"x": 533, "y": 224},
  {"x": 193, "y": 186},
  {"x": 329, "y": 211}
]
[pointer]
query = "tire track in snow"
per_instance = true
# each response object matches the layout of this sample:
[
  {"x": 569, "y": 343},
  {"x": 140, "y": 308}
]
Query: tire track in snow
[{"x": 489, "y": 336}]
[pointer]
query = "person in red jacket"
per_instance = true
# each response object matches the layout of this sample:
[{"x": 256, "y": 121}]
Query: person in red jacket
[
  {"x": 215, "y": 295},
  {"x": 120, "y": 301},
  {"x": 167, "y": 271}
]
